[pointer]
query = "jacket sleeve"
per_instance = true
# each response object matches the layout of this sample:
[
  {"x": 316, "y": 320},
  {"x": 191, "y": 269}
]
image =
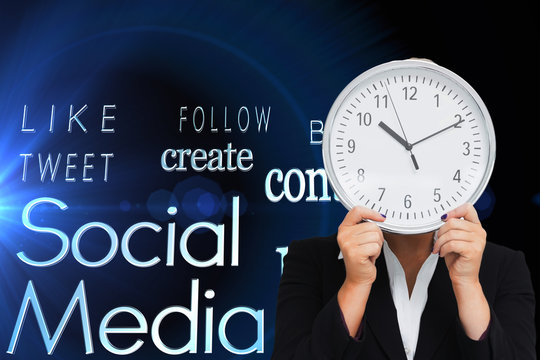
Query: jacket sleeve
[
  {"x": 511, "y": 333},
  {"x": 307, "y": 328}
]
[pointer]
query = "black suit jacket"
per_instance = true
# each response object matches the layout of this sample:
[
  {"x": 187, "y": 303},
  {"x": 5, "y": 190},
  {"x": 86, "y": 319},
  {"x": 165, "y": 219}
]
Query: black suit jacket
[{"x": 309, "y": 323}]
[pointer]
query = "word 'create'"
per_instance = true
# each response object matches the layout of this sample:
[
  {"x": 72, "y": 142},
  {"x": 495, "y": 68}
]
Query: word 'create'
[{"x": 229, "y": 159}]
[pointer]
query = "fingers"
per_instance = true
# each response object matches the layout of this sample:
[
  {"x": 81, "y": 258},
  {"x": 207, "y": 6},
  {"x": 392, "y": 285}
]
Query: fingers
[
  {"x": 360, "y": 243},
  {"x": 464, "y": 248},
  {"x": 451, "y": 235},
  {"x": 361, "y": 239},
  {"x": 359, "y": 213},
  {"x": 359, "y": 234},
  {"x": 462, "y": 231},
  {"x": 454, "y": 246},
  {"x": 368, "y": 232},
  {"x": 424, "y": 59},
  {"x": 457, "y": 224},
  {"x": 365, "y": 248},
  {"x": 466, "y": 211}
]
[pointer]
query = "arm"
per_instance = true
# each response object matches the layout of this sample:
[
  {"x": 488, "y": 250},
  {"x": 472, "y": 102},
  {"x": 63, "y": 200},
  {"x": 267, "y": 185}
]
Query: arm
[
  {"x": 360, "y": 244},
  {"x": 461, "y": 242},
  {"x": 306, "y": 328},
  {"x": 512, "y": 333},
  {"x": 501, "y": 330},
  {"x": 352, "y": 300}
]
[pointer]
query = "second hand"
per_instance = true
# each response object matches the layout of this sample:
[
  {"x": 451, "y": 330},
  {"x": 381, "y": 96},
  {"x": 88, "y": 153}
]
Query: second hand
[{"x": 413, "y": 158}]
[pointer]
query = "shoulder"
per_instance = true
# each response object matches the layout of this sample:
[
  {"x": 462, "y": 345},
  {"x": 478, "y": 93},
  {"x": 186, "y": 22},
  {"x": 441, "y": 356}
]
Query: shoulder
[
  {"x": 504, "y": 267},
  {"x": 316, "y": 246},
  {"x": 314, "y": 261},
  {"x": 499, "y": 250},
  {"x": 500, "y": 256},
  {"x": 319, "y": 250}
]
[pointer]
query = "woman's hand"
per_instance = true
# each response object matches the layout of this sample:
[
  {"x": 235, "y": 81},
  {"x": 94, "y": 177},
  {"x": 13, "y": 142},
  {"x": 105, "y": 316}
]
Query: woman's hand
[
  {"x": 461, "y": 241},
  {"x": 361, "y": 244}
]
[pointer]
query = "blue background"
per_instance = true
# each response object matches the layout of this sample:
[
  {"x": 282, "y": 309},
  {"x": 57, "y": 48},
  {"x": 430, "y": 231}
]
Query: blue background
[{"x": 149, "y": 59}]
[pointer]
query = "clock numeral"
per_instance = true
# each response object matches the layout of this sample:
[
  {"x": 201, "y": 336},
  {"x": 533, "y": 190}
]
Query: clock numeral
[
  {"x": 381, "y": 100},
  {"x": 382, "y": 193},
  {"x": 361, "y": 177},
  {"x": 436, "y": 100},
  {"x": 364, "y": 118},
  {"x": 467, "y": 148},
  {"x": 457, "y": 176},
  {"x": 352, "y": 146},
  {"x": 410, "y": 92},
  {"x": 459, "y": 118},
  {"x": 436, "y": 195},
  {"x": 407, "y": 201}
]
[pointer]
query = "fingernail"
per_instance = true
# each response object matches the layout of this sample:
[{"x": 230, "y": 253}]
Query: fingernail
[
  {"x": 444, "y": 217},
  {"x": 384, "y": 216}
]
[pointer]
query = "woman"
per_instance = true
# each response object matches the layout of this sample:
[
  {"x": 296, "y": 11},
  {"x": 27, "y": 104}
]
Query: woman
[{"x": 443, "y": 295}]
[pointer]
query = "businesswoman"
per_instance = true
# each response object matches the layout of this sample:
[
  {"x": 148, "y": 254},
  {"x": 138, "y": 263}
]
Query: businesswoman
[{"x": 365, "y": 294}]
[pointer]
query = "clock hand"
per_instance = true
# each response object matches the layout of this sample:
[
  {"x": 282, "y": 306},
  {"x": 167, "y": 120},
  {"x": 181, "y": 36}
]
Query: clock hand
[
  {"x": 393, "y": 134},
  {"x": 395, "y": 111},
  {"x": 415, "y": 163},
  {"x": 408, "y": 146},
  {"x": 438, "y": 132}
]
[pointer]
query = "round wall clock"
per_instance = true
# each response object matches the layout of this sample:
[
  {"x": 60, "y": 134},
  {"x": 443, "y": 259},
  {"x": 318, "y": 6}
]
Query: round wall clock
[{"x": 411, "y": 140}]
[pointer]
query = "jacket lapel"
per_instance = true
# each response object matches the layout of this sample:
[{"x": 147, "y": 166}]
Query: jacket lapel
[
  {"x": 439, "y": 314},
  {"x": 381, "y": 316}
]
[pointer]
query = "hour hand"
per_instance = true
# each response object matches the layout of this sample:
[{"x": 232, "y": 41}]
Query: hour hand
[{"x": 393, "y": 134}]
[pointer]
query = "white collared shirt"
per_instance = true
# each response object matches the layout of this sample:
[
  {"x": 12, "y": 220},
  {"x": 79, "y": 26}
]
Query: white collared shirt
[{"x": 409, "y": 310}]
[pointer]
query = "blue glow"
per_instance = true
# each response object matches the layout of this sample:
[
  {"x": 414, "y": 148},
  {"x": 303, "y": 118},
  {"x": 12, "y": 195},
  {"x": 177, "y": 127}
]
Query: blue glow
[
  {"x": 208, "y": 204},
  {"x": 485, "y": 204},
  {"x": 125, "y": 205},
  {"x": 536, "y": 199}
]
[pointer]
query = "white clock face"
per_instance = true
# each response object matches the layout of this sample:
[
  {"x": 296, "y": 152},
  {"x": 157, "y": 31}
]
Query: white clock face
[{"x": 411, "y": 140}]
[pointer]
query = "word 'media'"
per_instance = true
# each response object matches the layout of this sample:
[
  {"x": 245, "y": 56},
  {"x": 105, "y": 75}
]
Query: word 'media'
[{"x": 79, "y": 299}]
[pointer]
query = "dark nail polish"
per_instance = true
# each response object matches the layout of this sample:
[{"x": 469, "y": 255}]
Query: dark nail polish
[
  {"x": 384, "y": 216},
  {"x": 444, "y": 217}
]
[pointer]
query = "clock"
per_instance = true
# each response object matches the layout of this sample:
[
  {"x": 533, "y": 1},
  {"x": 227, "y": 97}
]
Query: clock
[{"x": 411, "y": 140}]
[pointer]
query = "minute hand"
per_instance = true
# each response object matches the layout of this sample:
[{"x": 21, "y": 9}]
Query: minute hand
[{"x": 438, "y": 132}]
